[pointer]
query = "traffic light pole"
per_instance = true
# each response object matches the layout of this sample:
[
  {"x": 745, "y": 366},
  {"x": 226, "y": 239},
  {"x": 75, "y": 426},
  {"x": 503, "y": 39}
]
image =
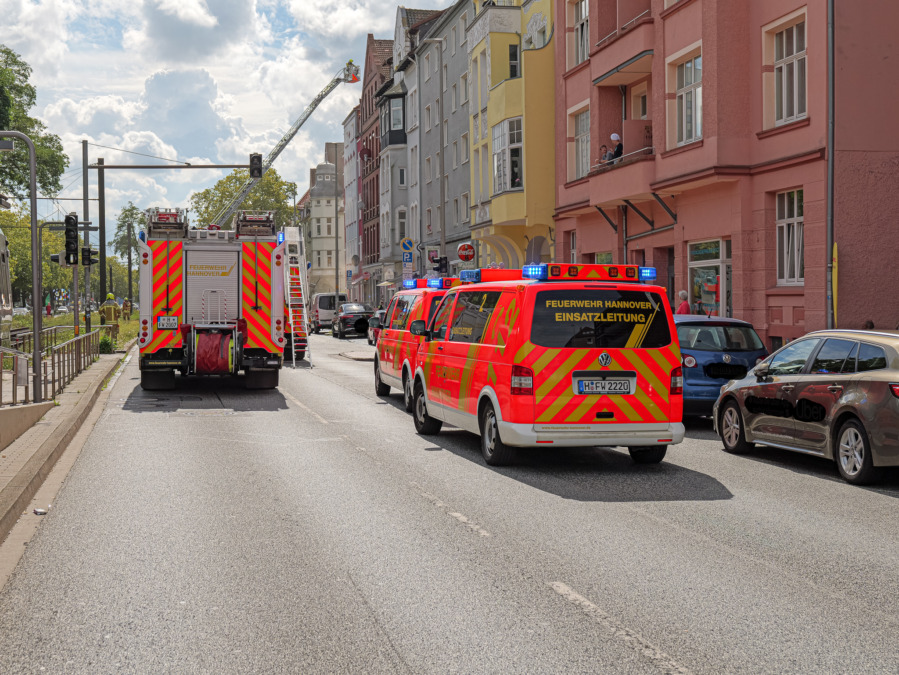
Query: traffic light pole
[{"x": 87, "y": 239}]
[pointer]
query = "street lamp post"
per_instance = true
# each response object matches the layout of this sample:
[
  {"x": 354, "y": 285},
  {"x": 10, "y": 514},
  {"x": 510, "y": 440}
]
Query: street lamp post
[{"x": 36, "y": 262}]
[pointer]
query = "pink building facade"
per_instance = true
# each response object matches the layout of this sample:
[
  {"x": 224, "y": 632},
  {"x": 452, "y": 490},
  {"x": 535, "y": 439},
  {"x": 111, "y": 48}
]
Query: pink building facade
[{"x": 722, "y": 183}]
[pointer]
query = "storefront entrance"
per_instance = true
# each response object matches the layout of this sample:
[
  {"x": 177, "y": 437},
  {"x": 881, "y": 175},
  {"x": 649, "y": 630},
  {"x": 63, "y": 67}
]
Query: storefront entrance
[{"x": 711, "y": 274}]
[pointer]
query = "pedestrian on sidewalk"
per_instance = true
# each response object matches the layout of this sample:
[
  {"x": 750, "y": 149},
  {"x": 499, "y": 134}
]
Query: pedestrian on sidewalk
[{"x": 684, "y": 307}]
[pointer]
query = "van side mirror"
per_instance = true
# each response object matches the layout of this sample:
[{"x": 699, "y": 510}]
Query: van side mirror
[
  {"x": 417, "y": 327},
  {"x": 761, "y": 371}
]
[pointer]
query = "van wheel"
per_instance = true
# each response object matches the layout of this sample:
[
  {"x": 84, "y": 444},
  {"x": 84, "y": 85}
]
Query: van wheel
[
  {"x": 730, "y": 426},
  {"x": 496, "y": 453},
  {"x": 425, "y": 425},
  {"x": 648, "y": 454},
  {"x": 381, "y": 389},
  {"x": 853, "y": 454},
  {"x": 157, "y": 380},
  {"x": 408, "y": 399}
]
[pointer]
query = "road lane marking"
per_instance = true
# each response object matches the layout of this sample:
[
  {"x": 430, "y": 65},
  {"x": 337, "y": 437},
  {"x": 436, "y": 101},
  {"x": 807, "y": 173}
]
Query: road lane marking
[
  {"x": 659, "y": 659},
  {"x": 446, "y": 509},
  {"x": 305, "y": 407}
]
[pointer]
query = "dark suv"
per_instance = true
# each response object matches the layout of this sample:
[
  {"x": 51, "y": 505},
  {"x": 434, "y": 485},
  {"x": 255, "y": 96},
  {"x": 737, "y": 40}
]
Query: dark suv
[{"x": 351, "y": 317}]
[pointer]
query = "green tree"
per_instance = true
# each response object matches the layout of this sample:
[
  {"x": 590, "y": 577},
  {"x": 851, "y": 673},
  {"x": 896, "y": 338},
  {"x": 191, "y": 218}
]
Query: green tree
[
  {"x": 17, "y": 97},
  {"x": 16, "y": 225},
  {"x": 124, "y": 241},
  {"x": 269, "y": 194}
]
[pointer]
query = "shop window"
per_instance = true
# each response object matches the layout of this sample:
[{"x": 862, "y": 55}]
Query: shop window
[{"x": 710, "y": 277}]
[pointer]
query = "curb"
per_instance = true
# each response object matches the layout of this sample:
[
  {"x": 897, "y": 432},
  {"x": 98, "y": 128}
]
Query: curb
[{"x": 17, "y": 495}]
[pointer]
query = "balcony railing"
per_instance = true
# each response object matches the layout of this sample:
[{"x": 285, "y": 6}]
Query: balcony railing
[{"x": 625, "y": 159}]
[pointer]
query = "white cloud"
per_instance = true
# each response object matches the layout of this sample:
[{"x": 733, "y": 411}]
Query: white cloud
[
  {"x": 39, "y": 30},
  {"x": 194, "y": 12}
]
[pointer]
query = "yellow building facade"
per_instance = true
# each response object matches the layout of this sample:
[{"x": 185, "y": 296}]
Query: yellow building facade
[{"x": 511, "y": 131}]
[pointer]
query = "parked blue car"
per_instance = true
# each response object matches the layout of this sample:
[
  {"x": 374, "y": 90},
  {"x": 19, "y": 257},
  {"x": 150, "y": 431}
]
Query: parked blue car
[{"x": 715, "y": 350}]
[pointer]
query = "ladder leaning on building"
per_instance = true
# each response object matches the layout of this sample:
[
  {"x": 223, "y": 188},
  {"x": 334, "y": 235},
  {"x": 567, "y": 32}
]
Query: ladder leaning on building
[{"x": 295, "y": 285}]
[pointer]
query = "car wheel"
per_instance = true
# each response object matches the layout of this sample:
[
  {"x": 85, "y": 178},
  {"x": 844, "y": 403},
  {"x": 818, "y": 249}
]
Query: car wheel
[
  {"x": 408, "y": 399},
  {"x": 424, "y": 423},
  {"x": 730, "y": 427},
  {"x": 648, "y": 454},
  {"x": 853, "y": 454},
  {"x": 381, "y": 389},
  {"x": 495, "y": 452},
  {"x": 340, "y": 334}
]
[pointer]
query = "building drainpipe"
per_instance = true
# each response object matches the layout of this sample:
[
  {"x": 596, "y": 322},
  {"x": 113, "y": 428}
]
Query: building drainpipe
[
  {"x": 830, "y": 160},
  {"x": 624, "y": 233}
]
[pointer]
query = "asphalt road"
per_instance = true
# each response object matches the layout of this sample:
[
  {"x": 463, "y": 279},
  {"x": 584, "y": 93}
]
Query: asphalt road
[{"x": 309, "y": 529}]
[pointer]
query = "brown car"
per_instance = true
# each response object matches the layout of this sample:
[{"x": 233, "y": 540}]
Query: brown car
[{"x": 832, "y": 393}]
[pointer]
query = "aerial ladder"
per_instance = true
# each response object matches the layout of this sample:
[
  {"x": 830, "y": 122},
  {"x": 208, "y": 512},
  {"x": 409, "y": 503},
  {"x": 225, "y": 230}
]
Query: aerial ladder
[
  {"x": 294, "y": 285},
  {"x": 349, "y": 74}
]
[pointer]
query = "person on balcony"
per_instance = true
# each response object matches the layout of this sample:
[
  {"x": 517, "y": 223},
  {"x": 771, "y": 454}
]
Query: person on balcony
[
  {"x": 605, "y": 155},
  {"x": 619, "y": 148}
]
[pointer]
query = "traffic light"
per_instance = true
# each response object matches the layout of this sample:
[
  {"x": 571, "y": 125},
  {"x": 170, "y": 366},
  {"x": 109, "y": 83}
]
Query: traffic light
[
  {"x": 71, "y": 223},
  {"x": 442, "y": 266},
  {"x": 87, "y": 256},
  {"x": 255, "y": 165},
  {"x": 59, "y": 259}
]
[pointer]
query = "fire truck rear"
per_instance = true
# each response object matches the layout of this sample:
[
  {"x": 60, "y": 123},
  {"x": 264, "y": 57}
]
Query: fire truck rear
[{"x": 211, "y": 300}]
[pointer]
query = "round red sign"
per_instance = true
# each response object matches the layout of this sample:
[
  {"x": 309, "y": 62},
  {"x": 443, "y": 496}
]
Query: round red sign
[{"x": 465, "y": 252}]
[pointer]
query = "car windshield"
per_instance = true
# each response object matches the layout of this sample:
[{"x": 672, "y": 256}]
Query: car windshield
[
  {"x": 718, "y": 337},
  {"x": 606, "y": 318},
  {"x": 353, "y": 309}
]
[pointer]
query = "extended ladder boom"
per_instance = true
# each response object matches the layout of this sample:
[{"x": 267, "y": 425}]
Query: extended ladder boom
[{"x": 349, "y": 74}]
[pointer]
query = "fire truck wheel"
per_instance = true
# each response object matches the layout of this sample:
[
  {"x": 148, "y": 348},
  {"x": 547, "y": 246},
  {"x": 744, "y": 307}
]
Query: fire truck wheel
[
  {"x": 381, "y": 389},
  {"x": 425, "y": 425},
  {"x": 496, "y": 453},
  {"x": 156, "y": 380},
  {"x": 649, "y": 454},
  {"x": 261, "y": 379}
]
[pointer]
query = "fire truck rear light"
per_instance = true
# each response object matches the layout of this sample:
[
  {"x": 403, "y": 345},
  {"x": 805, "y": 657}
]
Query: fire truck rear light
[
  {"x": 677, "y": 381},
  {"x": 145, "y": 322},
  {"x": 572, "y": 271},
  {"x": 144, "y": 333},
  {"x": 146, "y": 255},
  {"x": 522, "y": 381}
]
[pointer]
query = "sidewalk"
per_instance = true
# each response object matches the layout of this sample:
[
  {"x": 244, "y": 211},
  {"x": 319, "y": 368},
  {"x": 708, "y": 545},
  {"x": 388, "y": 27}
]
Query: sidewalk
[{"x": 26, "y": 462}]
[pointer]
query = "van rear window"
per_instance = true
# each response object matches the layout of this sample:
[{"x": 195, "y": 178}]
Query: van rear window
[{"x": 602, "y": 318}]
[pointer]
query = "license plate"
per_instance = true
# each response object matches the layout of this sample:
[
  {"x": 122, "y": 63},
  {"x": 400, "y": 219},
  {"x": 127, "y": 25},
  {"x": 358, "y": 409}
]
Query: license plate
[
  {"x": 166, "y": 323},
  {"x": 605, "y": 386}
]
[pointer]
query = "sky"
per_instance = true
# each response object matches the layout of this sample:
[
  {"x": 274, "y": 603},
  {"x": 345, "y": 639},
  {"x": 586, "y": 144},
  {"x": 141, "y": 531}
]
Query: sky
[{"x": 199, "y": 81}]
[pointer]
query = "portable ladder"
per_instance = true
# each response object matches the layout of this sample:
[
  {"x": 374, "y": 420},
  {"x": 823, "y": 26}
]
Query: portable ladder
[{"x": 295, "y": 285}]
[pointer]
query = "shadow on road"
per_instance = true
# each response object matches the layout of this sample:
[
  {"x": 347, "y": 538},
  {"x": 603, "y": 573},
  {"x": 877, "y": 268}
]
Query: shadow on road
[
  {"x": 593, "y": 474},
  {"x": 208, "y": 394}
]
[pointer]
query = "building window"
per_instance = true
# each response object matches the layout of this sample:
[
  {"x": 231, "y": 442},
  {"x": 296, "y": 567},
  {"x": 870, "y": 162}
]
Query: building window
[
  {"x": 456, "y": 212},
  {"x": 514, "y": 63},
  {"x": 710, "y": 277},
  {"x": 582, "y": 144},
  {"x": 428, "y": 169},
  {"x": 396, "y": 114},
  {"x": 507, "y": 157},
  {"x": 581, "y": 31},
  {"x": 400, "y": 225},
  {"x": 444, "y": 82},
  {"x": 318, "y": 227},
  {"x": 428, "y": 224},
  {"x": 454, "y": 98},
  {"x": 689, "y": 100},
  {"x": 329, "y": 227},
  {"x": 401, "y": 177},
  {"x": 789, "y": 74},
  {"x": 464, "y": 142},
  {"x": 642, "y": 107},
  {"x": 318, "y": 258},
  {"x": 445, "y": 133},
  {"x": 604, "y": 258},
  {"x": 541, "y": 38},
  {"x": 790, "y": 244},
  {"x": 330, "y": 259},
  {"x": 454, "y": 39},
  {"x": 414, "y": 167},
  {"x": 427, "y": 66},
  {"x": 465, "y": 207},
  {"x": 455, "y": 154},
  {"x": 572, "y": 246},
  {"x": 427, "y": 118},
  {"x": 463, "y": 85}
]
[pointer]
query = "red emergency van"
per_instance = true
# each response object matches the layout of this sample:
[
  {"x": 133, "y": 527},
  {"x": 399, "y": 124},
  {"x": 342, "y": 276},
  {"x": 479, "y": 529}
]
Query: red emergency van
[
  {"x": 569, "y": 355},
  {"x": 396, "y": 348}
]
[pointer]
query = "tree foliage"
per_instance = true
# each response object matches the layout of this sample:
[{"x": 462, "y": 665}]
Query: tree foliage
[
  {"x": 17, "y": 98},
  {"x": 16, "y": 225},
  {"x": 269, "y": 194},
  {"x": 128, "y": 223}
]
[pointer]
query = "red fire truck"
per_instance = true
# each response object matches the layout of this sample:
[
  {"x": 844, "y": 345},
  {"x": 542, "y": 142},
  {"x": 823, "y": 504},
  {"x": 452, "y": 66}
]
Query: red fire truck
[{"x": 211, "y": 301}]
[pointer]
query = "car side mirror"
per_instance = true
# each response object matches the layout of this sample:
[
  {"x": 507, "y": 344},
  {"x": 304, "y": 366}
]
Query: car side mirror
[
  {"x": 374, "y": 322},
  {"x": 417, "y": 327},
  {"x": 761, "y": 371}
]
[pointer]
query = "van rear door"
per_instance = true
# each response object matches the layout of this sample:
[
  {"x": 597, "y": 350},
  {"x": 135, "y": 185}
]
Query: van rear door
[{"x": 601, "y": 355}]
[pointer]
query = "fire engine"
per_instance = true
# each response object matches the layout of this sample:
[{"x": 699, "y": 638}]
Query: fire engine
[{"x": 212, "y": 301}]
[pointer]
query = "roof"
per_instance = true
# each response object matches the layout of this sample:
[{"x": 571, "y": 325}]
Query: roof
[
  {"x": 382, "y": 51},
  {"x": 702, "y": 318}
]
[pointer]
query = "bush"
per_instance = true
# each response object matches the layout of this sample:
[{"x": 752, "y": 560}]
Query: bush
[{"x": 106, "y": 345}]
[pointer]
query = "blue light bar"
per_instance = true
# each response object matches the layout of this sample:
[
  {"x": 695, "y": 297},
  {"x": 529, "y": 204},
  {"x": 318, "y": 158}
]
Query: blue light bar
[
  {"x": 410, "y": 283},
  {"x": 535, "y": 272},
  {"x": 470, "y": 276},
  {"x": 280, "y": 237},
  {"x": 435, "y": 283},
  {"x": 648, "y": 274}
]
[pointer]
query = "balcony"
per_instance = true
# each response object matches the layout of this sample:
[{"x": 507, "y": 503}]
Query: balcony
[
  {"x": 496, "y": 16},
  {"x": 624, "y": 56},
  {"x": 631, "y": 175}
]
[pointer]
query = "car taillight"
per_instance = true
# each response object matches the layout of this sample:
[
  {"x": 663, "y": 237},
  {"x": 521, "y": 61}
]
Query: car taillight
[
  {"x": 895, "y": 389},
  {"x": 522, "y": 381},
  {"x": 677, "y": 381},
  {"x": 689, "y": 362}
]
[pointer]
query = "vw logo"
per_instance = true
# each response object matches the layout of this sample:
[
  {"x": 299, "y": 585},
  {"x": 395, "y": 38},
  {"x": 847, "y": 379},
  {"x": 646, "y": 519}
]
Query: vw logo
[
  {"x": 605, "y": 359},
  {"x": 726, "y": 358}
]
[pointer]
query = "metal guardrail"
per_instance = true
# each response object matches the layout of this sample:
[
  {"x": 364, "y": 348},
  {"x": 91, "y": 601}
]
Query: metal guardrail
[
  {"x": 61, "y": 363},
  {"x": 23, "y": 341}
]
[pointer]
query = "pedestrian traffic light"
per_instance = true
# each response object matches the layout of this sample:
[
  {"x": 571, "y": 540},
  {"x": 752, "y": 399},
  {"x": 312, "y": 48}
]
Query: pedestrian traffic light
[
  {"x": 71, "y": 223},
  {"x": 87, "y": 256},
  {"x": 255, "y": 165}
]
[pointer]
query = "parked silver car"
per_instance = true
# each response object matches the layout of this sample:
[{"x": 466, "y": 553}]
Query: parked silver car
[{"x": 831, "y": 393}]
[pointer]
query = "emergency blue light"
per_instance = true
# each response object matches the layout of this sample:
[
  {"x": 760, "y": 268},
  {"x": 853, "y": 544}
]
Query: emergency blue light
[
  {"x": 470, "y": 276},
  {"x": 280, "y": 237},
  {"x": 535, "y": 272},
  {"x": 435, "y": 283},
  {"x": 648, "y": 274},
  {"x": 410, "y": 283}
]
